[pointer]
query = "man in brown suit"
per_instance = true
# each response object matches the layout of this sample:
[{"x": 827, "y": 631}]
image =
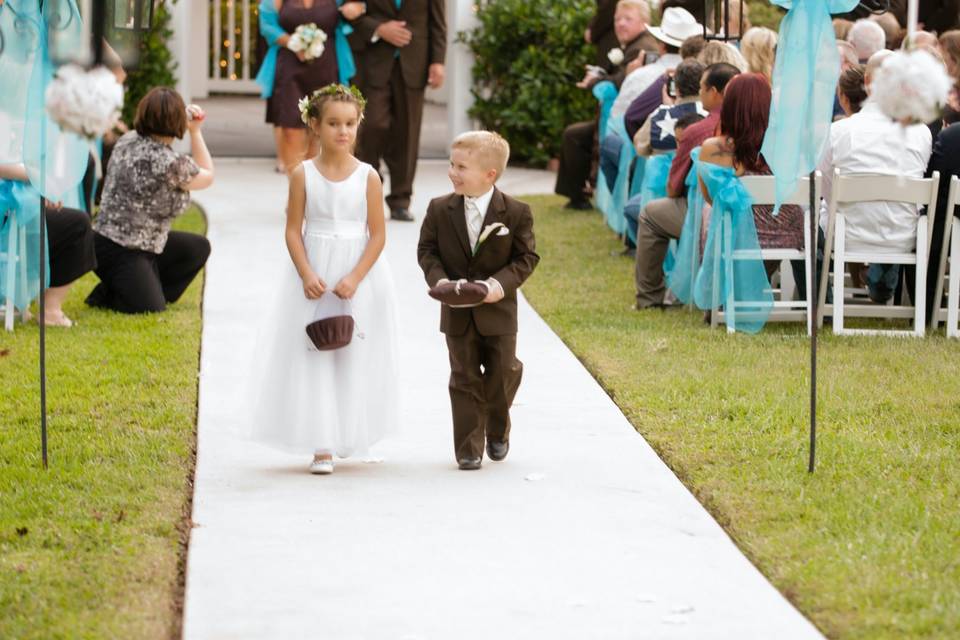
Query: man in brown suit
[
  {"x": 478, "y": 233},
  {"x": 399, "y": 47}
]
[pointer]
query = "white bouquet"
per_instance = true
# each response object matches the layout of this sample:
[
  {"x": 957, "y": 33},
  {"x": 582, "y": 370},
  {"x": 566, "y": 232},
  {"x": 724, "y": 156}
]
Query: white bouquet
[
  {"x": 309, "y": 39},
  {"x": 87, "y": 103},
  {"x": 615, "y": 56},
  {"x": 911, "y": 87}
]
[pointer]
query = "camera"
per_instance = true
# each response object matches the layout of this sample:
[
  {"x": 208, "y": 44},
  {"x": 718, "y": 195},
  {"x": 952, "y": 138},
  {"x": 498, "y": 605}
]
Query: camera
[{"x": 672, "y": 87}]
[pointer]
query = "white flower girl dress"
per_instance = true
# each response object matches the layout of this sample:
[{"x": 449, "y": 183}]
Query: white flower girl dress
[{"x": 340, "y": 401}]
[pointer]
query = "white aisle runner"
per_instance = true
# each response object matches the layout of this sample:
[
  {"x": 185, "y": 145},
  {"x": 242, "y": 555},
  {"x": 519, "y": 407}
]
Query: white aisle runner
[{"x": 581, "y": 533}]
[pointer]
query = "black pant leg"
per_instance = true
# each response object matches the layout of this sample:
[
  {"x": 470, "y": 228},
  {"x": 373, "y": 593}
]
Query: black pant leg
[
  {"x": 181, "y": 260},
  {"x": 70, "y": 239},
  {"x": 129, "y": 279},
  {"x": 576, "y": 158},
  {"x": 502, "y": 372}
]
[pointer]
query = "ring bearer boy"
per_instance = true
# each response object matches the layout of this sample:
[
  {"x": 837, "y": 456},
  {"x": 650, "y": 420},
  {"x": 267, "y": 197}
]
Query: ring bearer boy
[{"x": 476, "y": 248}]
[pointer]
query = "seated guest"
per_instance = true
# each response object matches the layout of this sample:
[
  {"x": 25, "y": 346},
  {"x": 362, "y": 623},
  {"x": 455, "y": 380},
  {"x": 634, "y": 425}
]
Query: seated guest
[
  {"x": 892, "y": 29},
  {"x": 869, "y": 142},
  {"x": 920, "y": 40},
  {"x": 759, "y": 46},
  {"x": 851, "y": 90},
  {"x": 867, "y": 38},
  {"x": 945, "y": 159},
  {"x": 950, "y": 50},
  {"x": 652, "y": 97},
  {"x": 70, "y": 245},
  {"x": 661, "y": 220},
  {"x": 716, "y": 51},
  {"x": 841, "y": 28},
  {"x": 635, "y": 204},
  {"x": 142, "y": 264},
  {"x": 743, "y": 123},
  {"x": 577, "y": 151},
  {"x": 656, "y": 134},
  {"x": 601, "y": 35},
  {"x": 677, "y": 25}
]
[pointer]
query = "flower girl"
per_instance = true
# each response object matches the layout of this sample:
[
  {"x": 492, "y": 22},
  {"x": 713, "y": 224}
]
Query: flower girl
[{"x": 338, "y": 401}]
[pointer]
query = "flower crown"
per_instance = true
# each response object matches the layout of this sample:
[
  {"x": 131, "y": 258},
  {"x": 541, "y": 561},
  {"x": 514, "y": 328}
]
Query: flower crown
[{"x": 309, "y": 105}]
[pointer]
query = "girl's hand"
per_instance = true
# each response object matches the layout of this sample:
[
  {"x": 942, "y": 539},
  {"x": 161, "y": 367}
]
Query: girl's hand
[
  {"x": 313, "y": 286},
  {"x": 346, "y": 287},
  {"x": 353, "y": 10}
]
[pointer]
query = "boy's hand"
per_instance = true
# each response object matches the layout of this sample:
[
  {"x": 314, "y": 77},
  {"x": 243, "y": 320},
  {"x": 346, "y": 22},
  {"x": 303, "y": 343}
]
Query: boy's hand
[
  {"x": 496, "y": 292},
  {"x": 313, "y": 286},
  {"x": 346, "y": 287}
]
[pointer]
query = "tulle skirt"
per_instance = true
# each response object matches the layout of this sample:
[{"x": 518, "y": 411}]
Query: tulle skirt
[{"x": 340, "y": 401}]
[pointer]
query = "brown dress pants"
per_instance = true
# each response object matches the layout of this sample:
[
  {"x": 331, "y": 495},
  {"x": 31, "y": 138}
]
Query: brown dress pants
[
  {"x": 391, "y": 130},
  {"x": 659, "y": 221},
  {"x": 484, "y": 377}
]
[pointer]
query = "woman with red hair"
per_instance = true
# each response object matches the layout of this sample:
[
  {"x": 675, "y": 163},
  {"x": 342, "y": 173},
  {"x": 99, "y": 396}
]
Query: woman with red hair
[{"x": 743, "y": 123}]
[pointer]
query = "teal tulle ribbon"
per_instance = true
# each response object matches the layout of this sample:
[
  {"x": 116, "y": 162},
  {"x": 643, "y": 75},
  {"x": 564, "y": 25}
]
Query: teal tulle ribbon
[
  {"x": 686, "y": 259},
  {"x": 804, "y": 84},
  {"x": 719, "y": 274},
  {"x": 270, "y": 29},
  {"x": 606, "y": 93},
  {"x": 613, "y": 211},
  {"x": 20, "y": 205}
]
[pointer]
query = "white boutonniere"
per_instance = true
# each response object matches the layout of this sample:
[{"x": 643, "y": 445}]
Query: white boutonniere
[
  {"x": 489, "y": 229},
  {"x": 615, "y": 55}
]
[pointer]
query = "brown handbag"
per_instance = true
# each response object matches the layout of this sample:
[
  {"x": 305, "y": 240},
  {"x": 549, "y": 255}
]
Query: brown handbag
[{"x": 333, "y": 325}]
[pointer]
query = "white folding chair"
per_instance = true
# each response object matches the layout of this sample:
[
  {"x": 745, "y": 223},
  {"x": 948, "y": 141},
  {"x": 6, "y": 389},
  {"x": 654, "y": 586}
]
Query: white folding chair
[
  {"x": 848, "y": 189},
  {"x": 951, "y": 245},
  {"x": 762, "y": 190},
  {"x": 15, "y": 266}
]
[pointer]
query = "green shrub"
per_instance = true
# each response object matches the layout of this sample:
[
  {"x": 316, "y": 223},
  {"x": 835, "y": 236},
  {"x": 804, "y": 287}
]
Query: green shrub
[
  {"x": 764, "y": 14},
  {"x": 529, "y": 54},
  {"x": 156, "y": 67}
]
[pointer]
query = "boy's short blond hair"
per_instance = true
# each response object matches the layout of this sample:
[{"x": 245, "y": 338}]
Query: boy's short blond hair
[{"x": 488, "y": 147}]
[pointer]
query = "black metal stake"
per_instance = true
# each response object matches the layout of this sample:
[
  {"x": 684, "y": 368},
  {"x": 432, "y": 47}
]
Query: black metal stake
[
  {"x": 43, "y": 332},
  {"x": 813, "y": 296}
]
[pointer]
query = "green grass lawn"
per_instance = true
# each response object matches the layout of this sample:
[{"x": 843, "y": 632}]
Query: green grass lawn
[
  {"x": 868, "y": 546},
  {"x": 91, "y": 548}
]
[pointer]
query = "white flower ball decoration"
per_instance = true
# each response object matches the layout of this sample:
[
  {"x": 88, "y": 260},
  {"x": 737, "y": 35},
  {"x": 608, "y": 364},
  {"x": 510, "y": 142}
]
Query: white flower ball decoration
[
  {"x": 87, "y": 103},
  {"x": 615, "y": 55},
  {"x": 911, "y": 87}
]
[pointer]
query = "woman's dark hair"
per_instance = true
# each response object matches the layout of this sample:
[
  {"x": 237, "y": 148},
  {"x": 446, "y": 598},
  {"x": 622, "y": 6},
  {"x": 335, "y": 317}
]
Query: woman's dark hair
[
  {"x": 719, "y": 74},
  {"x": 744, "y": 117},
  {"x": 851, "y": 86},
  {"x": 687, "y": 77},
  {"x": 692, "y": 47},
  {"x": 161, "y": 113}
]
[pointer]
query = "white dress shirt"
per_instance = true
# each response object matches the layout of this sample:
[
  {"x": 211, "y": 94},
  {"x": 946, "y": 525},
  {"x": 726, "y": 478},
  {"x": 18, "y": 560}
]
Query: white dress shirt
[
  {"x": 639, "y": 79},
  {"x": 870, "y": 142},
  {"x": 475, "y": 210}
]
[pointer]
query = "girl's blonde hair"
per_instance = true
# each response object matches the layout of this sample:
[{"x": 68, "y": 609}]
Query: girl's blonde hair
[
  {"x": 311, "y": 106},
  {"x": 488, "y": 147},
  {"x": 759, "y": 47},
  {"x": 716, "y": 51}
]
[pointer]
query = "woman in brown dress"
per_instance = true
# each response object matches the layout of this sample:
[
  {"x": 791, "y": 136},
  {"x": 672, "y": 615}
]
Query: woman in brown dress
[{"x": 296, "y": 77}]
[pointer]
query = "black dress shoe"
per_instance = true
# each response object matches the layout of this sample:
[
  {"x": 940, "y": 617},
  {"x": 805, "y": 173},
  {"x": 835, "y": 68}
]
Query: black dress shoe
[
  {"x": 578, "y": 205},
  {"x": 468, "y": 464},
  {"x": 402, "y": 215},
  {"x": 497, "y": 451}
]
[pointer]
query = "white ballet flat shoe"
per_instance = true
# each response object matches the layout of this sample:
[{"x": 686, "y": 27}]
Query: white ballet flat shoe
[{"x": 321, "y": 467}]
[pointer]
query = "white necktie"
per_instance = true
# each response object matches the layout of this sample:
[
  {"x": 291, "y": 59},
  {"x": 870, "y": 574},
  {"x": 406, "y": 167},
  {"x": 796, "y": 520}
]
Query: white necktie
[{"x": 474, "y": 220}]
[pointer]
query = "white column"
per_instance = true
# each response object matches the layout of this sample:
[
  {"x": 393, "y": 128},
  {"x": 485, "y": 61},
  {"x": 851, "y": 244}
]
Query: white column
[
  {"x": 459, "y": 67},
  {"x": 190, "y": 20}
]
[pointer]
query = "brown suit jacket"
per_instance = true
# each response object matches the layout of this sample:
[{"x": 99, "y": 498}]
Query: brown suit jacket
[
  {"x": 425, "y": 18},
  {"x": 634, "y": 49},
  {"x": 444, "y": 252}
]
